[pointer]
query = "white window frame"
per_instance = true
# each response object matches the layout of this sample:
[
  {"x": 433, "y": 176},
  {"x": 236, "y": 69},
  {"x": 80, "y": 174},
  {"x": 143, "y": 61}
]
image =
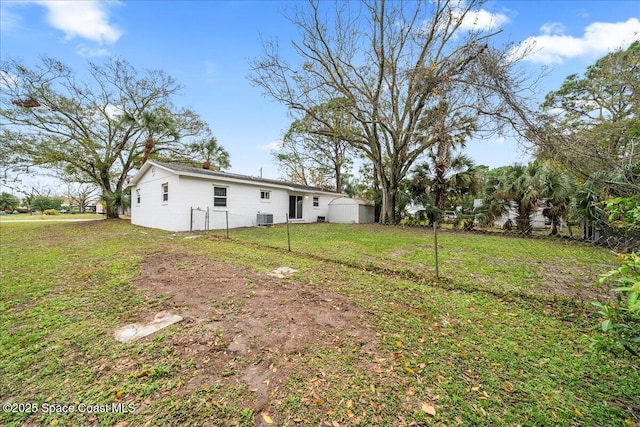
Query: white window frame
[
  {"x": 225, "y": 197},
  {"x": 164, "y": 197},
  {"x": 265, "y": 196},
  {"x": 138, "y": 198},
  {"x": 316, "y": 202}
]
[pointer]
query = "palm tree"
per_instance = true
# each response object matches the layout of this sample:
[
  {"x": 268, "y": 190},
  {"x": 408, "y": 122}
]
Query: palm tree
[
  {"x": 526, "y": 187},
  {"x": 521, "y": 185},
  {"x": 559, "y": 191},
  {"x": 152, "y": 123},
  {"x": 210, "y": 154},
  {"x": 446, "y": 177}
]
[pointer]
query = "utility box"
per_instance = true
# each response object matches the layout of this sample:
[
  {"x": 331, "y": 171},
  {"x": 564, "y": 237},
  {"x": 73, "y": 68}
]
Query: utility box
[{"x": 265, "y": 219}]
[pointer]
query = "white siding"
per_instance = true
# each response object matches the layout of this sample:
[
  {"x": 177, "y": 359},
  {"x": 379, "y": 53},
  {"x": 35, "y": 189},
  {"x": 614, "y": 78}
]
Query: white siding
[
  {"x": 243, "y": 202},
  {"x": 152, "y": 211},
  {"x": 350, "y": 211}
]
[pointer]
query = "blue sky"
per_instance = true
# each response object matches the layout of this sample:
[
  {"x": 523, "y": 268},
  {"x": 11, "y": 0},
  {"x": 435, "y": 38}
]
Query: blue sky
[{"x": 207, "y": 45}]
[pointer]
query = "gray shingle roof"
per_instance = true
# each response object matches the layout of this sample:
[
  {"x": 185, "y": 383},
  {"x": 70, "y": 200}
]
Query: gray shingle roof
[{"x": 179, "y": 168}]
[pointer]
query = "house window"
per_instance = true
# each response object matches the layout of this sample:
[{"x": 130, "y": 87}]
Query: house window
[
  {"x": 265, "y": 195},
  {"x": 165, "y": 192},
  {"x": 316, "y": 202},
  {"x": 295, "y": 207},
  {"x": 138, "y": 196},
  {"x": 220, "y": 197}
]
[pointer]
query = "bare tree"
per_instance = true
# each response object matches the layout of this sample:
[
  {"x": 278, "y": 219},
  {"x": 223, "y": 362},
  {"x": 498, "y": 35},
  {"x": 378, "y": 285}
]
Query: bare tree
[
  {"x": 310, "y": 157},
  {"x": 81, "y": 194},
  {"x": 96, "y": 130},
  {"x": 393, "y": 63}
]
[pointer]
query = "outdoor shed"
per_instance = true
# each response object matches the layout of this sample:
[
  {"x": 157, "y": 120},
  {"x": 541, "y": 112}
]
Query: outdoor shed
[
  {"x": 176, "y": 197},
  {"x": 346, "y": 210}
]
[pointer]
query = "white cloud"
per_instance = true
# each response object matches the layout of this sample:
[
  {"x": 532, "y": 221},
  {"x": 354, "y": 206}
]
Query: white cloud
[
  {"x": 599, "y": 38},
  {"x": 552, "y": 28},
  {"x": 272, "y": 146},
  {"x": 113, "y": 111},
  {"x": 483, "y": 20},
  {"x": 90, "y": 52},
  {"x": 85, "y": 19},
  {"x": 7, "y": 80}
]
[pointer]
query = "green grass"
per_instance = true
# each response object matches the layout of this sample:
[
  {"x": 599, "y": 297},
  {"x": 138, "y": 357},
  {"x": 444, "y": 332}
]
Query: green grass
[
  {"x": 488, "y": 344},
  {"x": 40, "y": 217},
  {"x": 495, "y": 264}
]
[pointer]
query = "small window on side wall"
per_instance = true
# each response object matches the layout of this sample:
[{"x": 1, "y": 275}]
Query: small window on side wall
[
  {"x": 220, "y": 197},
  {"x": 265, "y": 195},
  {"x": 138, "y": 196},
  {"x": 316, "y": 202},
  {"x": 165, "y": 192}
]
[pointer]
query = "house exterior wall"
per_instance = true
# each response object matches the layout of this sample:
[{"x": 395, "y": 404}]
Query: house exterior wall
[
  {"x": 538, "y": 220},
  {"x": 152, "y": 211},
  {"x": 243, "y": 201}
]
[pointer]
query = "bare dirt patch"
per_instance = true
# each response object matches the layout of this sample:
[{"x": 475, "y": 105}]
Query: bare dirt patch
[
  {"x": 243, "y": 327},
  {"x": 575, "y": 282}
]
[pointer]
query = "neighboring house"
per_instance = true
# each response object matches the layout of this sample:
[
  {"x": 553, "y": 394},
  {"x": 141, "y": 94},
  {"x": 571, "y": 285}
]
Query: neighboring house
[
  {"x": 351, "y": 211},
  {"x": 538, "y": 220},
  {"x": 181, "y": 198}
]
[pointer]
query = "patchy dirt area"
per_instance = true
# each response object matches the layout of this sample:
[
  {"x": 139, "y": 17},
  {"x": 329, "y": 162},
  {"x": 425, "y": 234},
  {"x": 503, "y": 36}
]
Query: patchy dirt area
[
  {"x": 247, "y": 327},
  {"x": 576, "y": 282}
]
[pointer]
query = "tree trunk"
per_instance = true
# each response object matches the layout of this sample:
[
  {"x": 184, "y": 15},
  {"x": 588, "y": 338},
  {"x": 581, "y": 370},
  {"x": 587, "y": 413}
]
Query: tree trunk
[
  {"x": 338, "y": 180},
  {"x": 148, "y": 147},
  {"x": 112, "y": 213},
  {"x": 523, "y": 220},
  {"x": 388, "y": 208}
]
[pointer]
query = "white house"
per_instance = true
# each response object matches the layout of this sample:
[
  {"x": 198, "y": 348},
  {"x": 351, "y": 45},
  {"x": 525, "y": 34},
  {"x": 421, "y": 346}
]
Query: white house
[
  {"x": 538, "y": 220},
  {"x": 351, "y": 211},
  {"x": 181, "y": 198}
]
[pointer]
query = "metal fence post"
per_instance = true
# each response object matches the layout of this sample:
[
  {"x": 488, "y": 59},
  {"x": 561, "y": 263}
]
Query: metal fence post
[
  {"x": 288, "y": 235},
  {"x": 435, "y": 239},
  {"x": 227, "y": 221}
]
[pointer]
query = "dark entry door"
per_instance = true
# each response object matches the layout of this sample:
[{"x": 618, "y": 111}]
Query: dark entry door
[{"x": 295, "y": 207}]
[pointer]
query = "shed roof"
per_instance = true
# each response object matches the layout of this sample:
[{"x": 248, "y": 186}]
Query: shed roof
[
  {"x": 350, "y": 201},
  {"x": 180, "y": 169}
]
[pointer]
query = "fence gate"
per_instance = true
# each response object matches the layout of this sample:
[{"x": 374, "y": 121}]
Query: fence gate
[{"x": 199, "y": 219}]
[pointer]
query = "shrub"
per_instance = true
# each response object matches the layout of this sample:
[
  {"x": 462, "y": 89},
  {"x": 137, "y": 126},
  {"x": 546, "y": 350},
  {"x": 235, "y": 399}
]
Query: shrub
[
  {"x": 622, "y": 317},
  {"x": 43, "y": 203},
  {"x": 50, "y": 212},
  {"x": 621, "y": 322}
]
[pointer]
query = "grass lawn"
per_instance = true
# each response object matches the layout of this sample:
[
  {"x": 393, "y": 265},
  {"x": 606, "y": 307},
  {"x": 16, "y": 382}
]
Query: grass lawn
[
  {"x": 40, "y": 217},
  {"x": 501, "y": 339}
]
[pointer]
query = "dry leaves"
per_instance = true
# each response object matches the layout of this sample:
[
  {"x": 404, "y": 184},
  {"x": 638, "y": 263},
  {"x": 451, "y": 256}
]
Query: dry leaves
[
  {"x": 428, "y": 408},
  {"x": 266, "y": 418}
]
